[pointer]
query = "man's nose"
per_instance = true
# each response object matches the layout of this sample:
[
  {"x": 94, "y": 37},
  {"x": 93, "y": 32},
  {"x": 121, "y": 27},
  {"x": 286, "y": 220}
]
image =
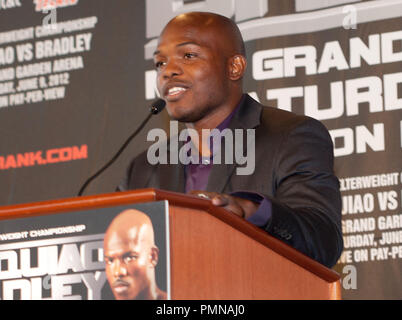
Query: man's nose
[
  {"x": 172, "y": 68},
  {"x": 119, "y": 269}
]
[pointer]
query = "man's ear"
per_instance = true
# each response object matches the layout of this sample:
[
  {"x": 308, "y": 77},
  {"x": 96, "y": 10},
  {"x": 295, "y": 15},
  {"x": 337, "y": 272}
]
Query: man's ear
[
  {"x": 237, "y": 67},
  {"x": 154, "y": 256}
]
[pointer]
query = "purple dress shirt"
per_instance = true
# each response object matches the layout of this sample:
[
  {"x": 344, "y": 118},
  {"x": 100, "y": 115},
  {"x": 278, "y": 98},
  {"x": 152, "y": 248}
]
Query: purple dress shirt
[{"x": 197, "y": 179}]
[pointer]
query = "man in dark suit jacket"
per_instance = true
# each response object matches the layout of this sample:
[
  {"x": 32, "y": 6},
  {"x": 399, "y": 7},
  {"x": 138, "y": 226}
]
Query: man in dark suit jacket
[{"x": 292, "y": 193}]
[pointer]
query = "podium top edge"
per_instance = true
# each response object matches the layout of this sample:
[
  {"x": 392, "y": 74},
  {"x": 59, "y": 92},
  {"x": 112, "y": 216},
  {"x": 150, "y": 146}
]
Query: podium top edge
[{"x": 178, "y": 199}]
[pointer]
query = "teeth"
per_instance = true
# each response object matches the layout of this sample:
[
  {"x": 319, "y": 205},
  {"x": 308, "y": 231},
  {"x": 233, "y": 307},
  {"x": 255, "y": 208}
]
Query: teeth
[{"x": 175, "y": 90}]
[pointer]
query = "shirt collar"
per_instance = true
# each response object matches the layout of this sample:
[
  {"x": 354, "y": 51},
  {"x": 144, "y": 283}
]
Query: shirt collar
[
  {"x": 225, "y": 123},
  {"x": 222, "y": 126}
]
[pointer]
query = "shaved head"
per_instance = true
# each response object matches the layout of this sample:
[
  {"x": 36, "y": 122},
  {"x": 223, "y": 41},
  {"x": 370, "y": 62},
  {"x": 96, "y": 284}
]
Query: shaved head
[
  {"x": 232, "y": 40},
  {"x": 131, "y": 225},
  {"x": 131, "y": 257}
]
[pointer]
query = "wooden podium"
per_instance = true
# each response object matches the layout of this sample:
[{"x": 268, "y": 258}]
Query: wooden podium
[{"x": 213, "y": 253}]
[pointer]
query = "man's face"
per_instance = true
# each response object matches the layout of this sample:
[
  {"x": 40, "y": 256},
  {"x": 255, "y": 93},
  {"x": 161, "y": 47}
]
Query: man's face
[
  {"x": 191, "y": 72},
  {"x": 128, "y": 260}
]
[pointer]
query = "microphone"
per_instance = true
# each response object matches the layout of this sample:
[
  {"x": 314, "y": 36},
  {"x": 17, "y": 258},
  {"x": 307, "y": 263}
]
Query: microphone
[{"x": 156, "y": 107}]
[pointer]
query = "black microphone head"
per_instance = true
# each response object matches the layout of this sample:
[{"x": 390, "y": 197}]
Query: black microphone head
[{"x": 157, "y": 106}]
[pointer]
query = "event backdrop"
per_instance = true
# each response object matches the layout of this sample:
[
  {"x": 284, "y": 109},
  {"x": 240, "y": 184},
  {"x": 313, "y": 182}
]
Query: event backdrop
[{"x": 76, "y": 78}]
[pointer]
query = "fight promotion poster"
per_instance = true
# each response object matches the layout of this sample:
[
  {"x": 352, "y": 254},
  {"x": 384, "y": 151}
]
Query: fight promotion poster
[
  {"x": 76, "y": 77},
  {"x": 72, "y": 90},
  {"x": 108, "y": 253}
]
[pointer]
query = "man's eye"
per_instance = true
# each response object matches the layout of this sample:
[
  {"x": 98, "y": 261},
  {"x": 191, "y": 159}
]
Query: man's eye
[
  {"x": 190, "y": 55},
  {"x": 159, "y": 64},
  {"x": 130, "y": 258}
]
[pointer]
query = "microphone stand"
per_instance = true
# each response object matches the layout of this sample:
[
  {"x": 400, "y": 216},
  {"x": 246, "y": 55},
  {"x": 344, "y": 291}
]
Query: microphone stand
[{"x": 156, "y": 107}]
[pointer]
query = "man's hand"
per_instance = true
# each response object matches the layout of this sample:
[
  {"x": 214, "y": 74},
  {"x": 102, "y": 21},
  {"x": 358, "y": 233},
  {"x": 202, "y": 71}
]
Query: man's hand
[{"x": 242, "y": 207}]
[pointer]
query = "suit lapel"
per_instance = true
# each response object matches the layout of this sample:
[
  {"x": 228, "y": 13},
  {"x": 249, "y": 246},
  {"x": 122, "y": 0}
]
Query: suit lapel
[
  {"x": 219, "y": 176},
  {"x": 246, "y": 117},
  {"x": 171, "y": 176}
]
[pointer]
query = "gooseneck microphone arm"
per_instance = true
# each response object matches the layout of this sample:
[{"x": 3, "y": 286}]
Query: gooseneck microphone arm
[{"x": 156, "y": 107}]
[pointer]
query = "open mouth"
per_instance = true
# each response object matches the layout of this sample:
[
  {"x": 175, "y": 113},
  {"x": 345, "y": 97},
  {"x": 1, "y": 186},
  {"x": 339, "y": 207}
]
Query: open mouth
[{"x": 175, "y": 93}]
